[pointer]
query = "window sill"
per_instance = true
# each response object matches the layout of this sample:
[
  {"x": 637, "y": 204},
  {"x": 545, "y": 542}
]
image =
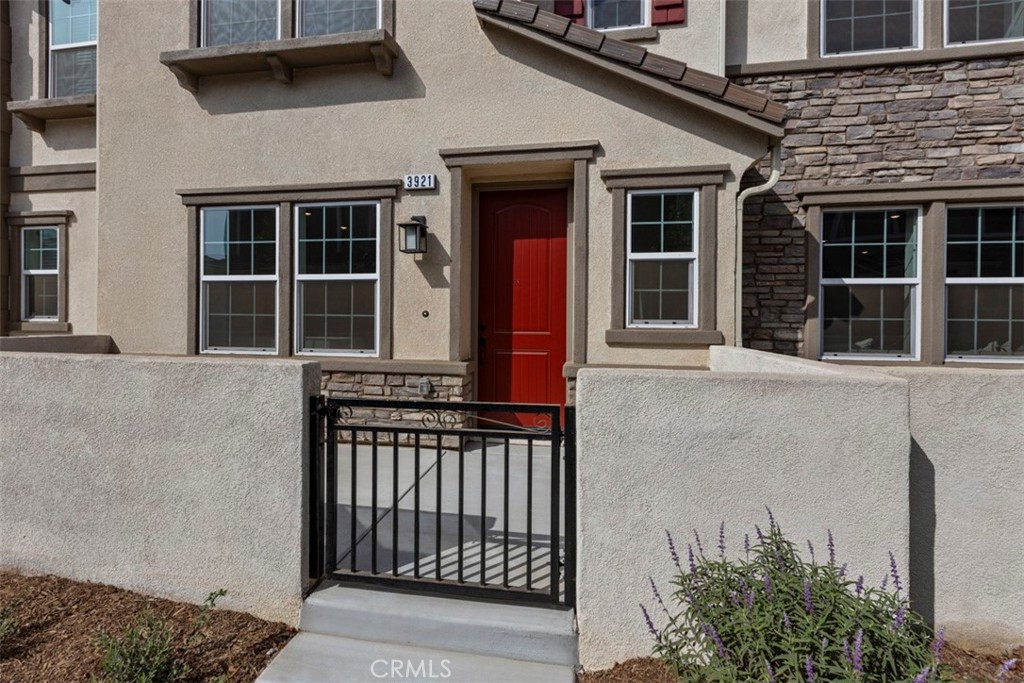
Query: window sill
[
  {"x": 282, "y": 57},
  {"x": 41, "y": 326},
  {"x": 35, "y": 113},
  {"x": 661, "y": 337}
]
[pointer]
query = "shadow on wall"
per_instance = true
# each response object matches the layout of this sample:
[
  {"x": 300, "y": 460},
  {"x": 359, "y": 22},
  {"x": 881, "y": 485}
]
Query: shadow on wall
[
  {"x": 618, "y": 89},
  {"x": 922, "y": 533},
  {"x": 314, "y": 87},
  {"x": 61, "y": 343}
]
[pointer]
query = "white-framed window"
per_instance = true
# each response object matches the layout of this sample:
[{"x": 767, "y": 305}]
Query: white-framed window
[
  {"x": 869, "y": 25},
  {"x": 983, "y": 21},
  {"x": 239, "y": 279},
  {"x": 337, "y": 274},
  {"x": 322, "y": 17},
  {"x": 73, "y": 26},
  {"x": 612, "y": 14},
  {"x": 661, "y": 254},
  {"x": 40, "y": 274},
  {"x": 230, "y": 22},
  {"x": 870, "y": 289},
  {"x": 985, "y": 282}
]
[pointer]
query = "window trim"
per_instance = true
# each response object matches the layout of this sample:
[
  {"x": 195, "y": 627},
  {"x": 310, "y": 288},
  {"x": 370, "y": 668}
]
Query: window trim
[
  {"x": 918, "y": 28},
  {"x": 690, "y": 257},
  {"x": 204, "y": 348},
  {"x": 708, "y": 180},
  {"x": 296, "y": 320},
  {"x": 18, "y": 222},
  {"x": 917, "y": 305},
  {"x": 26, "y": 273},
  {"x": 285, "y": 196},
  {"x": 645, "y": 14},
  {"x": 946, "y": 281},
  {"x": 50, "y": 48},
  {"x": 945, "y": 33}
]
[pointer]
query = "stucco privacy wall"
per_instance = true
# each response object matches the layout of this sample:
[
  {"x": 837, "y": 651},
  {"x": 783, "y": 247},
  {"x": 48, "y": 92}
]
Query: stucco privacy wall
[
  {"x": 455, "y": 85},
  {"x": 966, "y": 488},
  {"x": 684, "y": 450},
  {"x": 187, "y": 477}
]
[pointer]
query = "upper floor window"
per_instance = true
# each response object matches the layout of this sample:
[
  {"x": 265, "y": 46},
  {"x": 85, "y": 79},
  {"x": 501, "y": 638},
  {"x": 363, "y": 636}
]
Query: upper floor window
[
  {"x": 970, "y": 21},
  {"x": 985, "y": 282},
  {"x": 72, "y": 47},
  {"x": 661, "y": 248},
  {"x": 870, "y": 284},
  {"x": 869, "y": 25},
  {"x": 228, "y": 22},
  {"x": 321, "y": 17},
  {"x": 618, "y": 14}
]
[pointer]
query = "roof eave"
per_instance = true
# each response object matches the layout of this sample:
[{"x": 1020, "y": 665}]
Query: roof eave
[{"x": 774, "y": 131}]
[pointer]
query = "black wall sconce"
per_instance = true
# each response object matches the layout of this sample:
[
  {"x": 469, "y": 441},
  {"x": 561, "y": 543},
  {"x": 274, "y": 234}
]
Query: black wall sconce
[{"x": 414, "y": 236}]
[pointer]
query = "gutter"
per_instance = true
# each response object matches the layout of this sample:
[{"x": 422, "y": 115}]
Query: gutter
[{"x": 773, "y": 178}]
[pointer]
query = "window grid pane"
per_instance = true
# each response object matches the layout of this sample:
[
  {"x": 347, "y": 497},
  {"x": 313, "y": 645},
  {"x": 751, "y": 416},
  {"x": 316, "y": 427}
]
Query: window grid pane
[
  {"x": 605, "y": 14},
  {"x": 239, "y": 258},
  {"x": 661, "y": 291},
  {"x": 985, "y": 282},
  {"x": 868, "y": 319},
  {"x": 72, "y": 22},
  {"x": 229, "y": 22},
  {"x": 869, "y": 244},
  {"x": 320, "y": 17},
  {"x": 865, "y": 25},
  {"x": 42, "y": 299},
  {"x": 977, "y": 20},
  {"x": 336, "y": 268}
]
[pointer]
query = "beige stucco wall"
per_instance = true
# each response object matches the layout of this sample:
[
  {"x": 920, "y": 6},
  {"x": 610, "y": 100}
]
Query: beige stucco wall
[
  {"x": 187, "y": 477},
  {"x": 760, "y": 31},
  {"x": 698, "y": 42},
  {"x": 82, "y": 236},
  {"x": 684, "y": 450},
  {"x": 966, "y": 492},
  {"x": 64, "y": 142},
  {"x": 455, "y": 85}
]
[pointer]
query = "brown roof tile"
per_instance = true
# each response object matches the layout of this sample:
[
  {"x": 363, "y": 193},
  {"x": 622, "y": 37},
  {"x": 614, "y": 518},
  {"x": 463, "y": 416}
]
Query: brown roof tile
[{"x": 635, "y": 56}]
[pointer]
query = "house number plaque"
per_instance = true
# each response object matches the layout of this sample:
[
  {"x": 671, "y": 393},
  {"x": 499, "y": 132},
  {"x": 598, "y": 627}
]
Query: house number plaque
[{"x": 420, "y": 181}]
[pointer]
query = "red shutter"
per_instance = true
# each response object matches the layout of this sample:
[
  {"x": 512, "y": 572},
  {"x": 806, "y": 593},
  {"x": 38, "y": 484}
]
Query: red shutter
[
  {"x": 668, "y": 12},
  {"x": 573, "y": 9}
]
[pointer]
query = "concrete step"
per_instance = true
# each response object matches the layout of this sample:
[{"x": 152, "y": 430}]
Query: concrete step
[
  {"x": 319, "y": 658},
  {"x": 528, "y": 634}
]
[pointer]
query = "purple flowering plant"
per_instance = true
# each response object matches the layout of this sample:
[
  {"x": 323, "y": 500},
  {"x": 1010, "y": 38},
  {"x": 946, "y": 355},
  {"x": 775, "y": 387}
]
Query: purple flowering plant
[{"x": 771, "y": 615}]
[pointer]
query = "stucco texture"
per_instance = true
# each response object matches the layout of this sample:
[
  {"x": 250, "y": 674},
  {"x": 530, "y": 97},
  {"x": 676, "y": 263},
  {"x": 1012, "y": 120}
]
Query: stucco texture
[
  {"x": 685, "y": 450},
  {"x": 172, "y": 477},
  {"x": 966, "y": 492},
  {"x": 455, "y": 85}
]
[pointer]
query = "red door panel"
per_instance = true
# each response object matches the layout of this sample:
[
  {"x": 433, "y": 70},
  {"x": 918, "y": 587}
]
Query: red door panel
[{"x": 522, "y": 296}]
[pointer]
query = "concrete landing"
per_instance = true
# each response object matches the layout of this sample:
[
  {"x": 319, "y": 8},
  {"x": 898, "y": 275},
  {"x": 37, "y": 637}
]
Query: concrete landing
[
  {"x": 356, "y": 634},
  {"x": 318, "y": 658}
]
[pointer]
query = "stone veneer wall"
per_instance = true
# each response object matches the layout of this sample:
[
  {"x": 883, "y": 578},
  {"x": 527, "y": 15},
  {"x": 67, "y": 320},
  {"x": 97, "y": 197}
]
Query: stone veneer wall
[
  {"x": 397, "y": 386},
  {"x": 946, "y": 121}
]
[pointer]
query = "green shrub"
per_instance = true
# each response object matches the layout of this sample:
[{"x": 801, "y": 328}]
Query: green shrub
[
  {"x": 775, "y": 617},
  {"x": 9, "y": 623},
  {"x": 147, "y": 651}
]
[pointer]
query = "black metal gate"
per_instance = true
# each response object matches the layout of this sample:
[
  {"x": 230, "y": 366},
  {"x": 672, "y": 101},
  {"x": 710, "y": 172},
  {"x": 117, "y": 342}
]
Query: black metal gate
[{"x": 459, "y": 497}]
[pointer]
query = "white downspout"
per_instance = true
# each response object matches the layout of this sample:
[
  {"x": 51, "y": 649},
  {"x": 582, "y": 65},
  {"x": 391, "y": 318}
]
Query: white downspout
[{"x": 740, "y": 199}]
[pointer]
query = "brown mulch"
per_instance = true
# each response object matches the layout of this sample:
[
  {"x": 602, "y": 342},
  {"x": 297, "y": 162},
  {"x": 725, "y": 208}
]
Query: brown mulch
[
  {"x": 60, "y": 620},
  {"x": 970, "y": 667}
]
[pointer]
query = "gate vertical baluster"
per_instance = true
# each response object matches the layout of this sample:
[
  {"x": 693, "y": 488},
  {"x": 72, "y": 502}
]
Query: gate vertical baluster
[
  {"x": 570, "y": 506},
  {"x": 529, "y": 513},
  {"x": 556, "y": 446},
  {"x": 462, "y": 498},
  {"x": 437, "y": 531},
  {"x": 373, "y": 507},
  {"x": 394, "y": 504},
  {"x": 317, "y": 440},
  {"x": 331, "y": 495},
  {"x": 483, "y": 514},
  {"x": 353, "y": 540},
  {"x": 505, "y": 551},
  {"x": 416, "y": 509}
]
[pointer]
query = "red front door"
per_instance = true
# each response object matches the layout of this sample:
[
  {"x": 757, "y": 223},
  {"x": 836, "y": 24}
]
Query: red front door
[{"x": 522, "y": 296}]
